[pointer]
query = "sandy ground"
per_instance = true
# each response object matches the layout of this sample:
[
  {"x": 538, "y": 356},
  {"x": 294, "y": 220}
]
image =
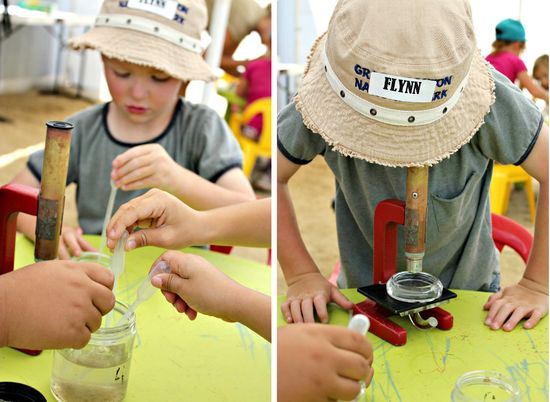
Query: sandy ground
[{"x": 27, "y": 114}]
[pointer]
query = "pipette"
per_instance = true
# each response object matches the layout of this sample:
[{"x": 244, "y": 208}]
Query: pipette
[
  {"x": 146, "y": 289},
  {"x": 360, "y": 323},
  {"x": 117, "y": 266},
  {"x": 108, "y": 213}
]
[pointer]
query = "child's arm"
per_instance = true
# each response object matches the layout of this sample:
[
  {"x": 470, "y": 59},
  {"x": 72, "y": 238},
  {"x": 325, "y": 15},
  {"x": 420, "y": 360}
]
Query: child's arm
[
  {"x": 167, "y": 222},
  {"x": 71, "y": 241},
  {"x": 150, "y": 166},
  {"x": 196, "y": 284},
  {"x": 321, "y": 362},
  {"x": 525, "y": 81},
  {"x": 308, "y": 290},
  {"x": 53, "y": 304},
  {"x": 529, "y": 297}
]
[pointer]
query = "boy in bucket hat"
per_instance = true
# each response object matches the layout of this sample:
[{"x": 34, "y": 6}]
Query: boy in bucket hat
[
  {"x": 147, "y": 136},
  {"x": 401, "y": 84}
]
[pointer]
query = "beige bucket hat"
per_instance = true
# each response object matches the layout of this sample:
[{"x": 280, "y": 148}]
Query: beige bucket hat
[
  {"x": 165, "y": 35},
  {"x": 397, "y": 83}
]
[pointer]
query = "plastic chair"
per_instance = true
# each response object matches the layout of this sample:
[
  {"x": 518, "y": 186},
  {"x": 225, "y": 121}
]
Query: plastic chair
[
  {"x": 506, "y": 232},
  {"x": 501, "y": 185},
  {"x": 253, "y": 149}
]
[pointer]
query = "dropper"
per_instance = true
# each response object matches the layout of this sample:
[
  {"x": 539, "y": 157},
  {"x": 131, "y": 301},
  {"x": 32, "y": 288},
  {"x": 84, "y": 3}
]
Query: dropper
[
  {"x": 117, "y": 266},
  {"x": 108, "y": 214},
  {"x": 146, "y": 289},
  {"x": 360, "y": 323}
]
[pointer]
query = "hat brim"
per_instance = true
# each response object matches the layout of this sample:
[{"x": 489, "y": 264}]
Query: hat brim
[
  {"x": 356, "y": 135},
  {"x": 145, "y": 50}
]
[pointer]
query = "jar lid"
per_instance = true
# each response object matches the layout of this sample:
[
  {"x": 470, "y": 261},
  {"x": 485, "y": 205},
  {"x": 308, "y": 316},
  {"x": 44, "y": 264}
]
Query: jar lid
[
  {"x": 485, "y": 385},
  {"x": 16, "y": 392},
  {"x": 414, "y": 287}
]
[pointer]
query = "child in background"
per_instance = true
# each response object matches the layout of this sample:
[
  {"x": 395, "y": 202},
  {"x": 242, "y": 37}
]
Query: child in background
[
  {"x": 255, "y": 84},
  {"x": 362, "y": 107},
  {"x": 540, "y": 74},
  {"x": 147, "y": 136},
  {"x": 509, "y": 43}
]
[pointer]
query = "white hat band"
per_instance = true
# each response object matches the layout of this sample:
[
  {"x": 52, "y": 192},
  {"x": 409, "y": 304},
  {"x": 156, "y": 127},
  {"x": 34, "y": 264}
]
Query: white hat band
[
  {"x": 150, "y": 27},
  {"x": 386, "y": 115}
]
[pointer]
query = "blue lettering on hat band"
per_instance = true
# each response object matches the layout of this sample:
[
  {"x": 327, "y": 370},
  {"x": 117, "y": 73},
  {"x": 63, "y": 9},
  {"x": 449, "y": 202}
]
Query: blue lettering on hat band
[{"x": 400, "y": 85}]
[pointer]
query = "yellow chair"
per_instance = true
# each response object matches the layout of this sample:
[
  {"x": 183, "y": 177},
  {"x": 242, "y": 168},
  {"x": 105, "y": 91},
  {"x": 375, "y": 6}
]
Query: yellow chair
[
  {"x": 253, "y": 149},
  {"x": 501, "y": 185}
]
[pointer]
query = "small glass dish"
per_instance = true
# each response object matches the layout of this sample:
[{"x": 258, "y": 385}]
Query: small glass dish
[
  {"x": 414, "y": 287},
  {"x": 485, "y": 385},
  {"x": 94, "y": 256}
]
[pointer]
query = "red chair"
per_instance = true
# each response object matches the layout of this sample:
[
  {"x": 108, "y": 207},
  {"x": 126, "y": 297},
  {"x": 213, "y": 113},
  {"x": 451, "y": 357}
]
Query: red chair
[{"x": 506, "y": 232}]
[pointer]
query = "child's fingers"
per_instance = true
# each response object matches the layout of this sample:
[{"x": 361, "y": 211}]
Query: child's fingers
[
  {"x": 345, "y": 338},
  {"x": 131, "y": 164},
  {"x": 320, "y": 303},
  {"x": 63, "y": 254},
  {"x": 285, "y": 310},
  {"x": 339, "y": 298},
  {"x": 169, "y": 296},
  {"x": 71, "y": 243},
  {"x": 129, "y": 155},
  {"x": 492, "y": 299},
  {"x": 344, "y": 389},
  {"x": 296, "y": 311},
  {"x": 192, "y": 314},
  {"x": 139, "y": 173},
  {"x": 536, "y": 316},
  {"x": 84, "y": 245},
  {"x": 307, "y": 310},
  {"x": 516, "y": 316},
  {"x": 98, "y": 274},
  {"x": 504, "y": 311}
]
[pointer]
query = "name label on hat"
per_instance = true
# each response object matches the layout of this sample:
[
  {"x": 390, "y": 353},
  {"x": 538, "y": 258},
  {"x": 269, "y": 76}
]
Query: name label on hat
[
  {"x": 165, "y": 8},
  {"x": 402, "y": 89}
]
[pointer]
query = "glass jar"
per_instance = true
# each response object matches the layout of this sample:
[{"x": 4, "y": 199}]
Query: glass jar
[
  {"x": 94, "y": 256},
  {"x": 414, "y": 287},
  {"x": 485, "y": 385},
  {"x": 99, "y": 371}
]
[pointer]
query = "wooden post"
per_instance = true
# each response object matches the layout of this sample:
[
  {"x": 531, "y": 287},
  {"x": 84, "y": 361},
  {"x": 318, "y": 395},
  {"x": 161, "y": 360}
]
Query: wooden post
[
  {"x": 415, "y": 217},
  {"x": 52, "y": 190}
]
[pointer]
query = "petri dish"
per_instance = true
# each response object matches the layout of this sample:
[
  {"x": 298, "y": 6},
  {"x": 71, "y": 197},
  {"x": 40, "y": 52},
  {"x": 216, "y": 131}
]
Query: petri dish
[
  {"x": 485, "y": 385},
  {"x": 414, "y": 287},
  {"x": 94, "y": 256}
]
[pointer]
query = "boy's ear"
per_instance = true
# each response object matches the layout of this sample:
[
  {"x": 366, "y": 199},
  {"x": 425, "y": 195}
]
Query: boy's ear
[{"x": 183, "y": 88}]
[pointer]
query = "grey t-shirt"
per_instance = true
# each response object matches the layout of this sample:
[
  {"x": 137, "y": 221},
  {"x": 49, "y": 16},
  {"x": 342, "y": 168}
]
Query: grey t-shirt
[
  {"x": 196, "y": 138},
  {"x": 459, "y": 246}
]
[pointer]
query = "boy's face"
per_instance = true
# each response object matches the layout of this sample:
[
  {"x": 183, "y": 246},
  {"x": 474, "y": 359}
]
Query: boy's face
[{"x": 141, "y": 94}]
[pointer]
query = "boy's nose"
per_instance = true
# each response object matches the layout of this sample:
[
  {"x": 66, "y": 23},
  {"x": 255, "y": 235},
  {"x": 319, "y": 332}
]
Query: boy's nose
[{"x": 138, "y": 89}]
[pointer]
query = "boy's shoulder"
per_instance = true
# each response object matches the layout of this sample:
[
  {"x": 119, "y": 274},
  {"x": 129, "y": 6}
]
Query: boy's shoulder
[{"x": 93, "y": 112}]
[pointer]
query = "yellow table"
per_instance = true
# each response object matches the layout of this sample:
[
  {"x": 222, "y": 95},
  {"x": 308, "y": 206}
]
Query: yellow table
[
  {"x": 178, "y": 360},
  {"x": 427, "y": 366}
]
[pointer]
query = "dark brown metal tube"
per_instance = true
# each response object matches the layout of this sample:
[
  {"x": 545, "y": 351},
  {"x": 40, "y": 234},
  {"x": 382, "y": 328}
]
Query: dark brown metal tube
[
  {"x": 415, "y": 217},
  {"x": 52, "y": 190}
]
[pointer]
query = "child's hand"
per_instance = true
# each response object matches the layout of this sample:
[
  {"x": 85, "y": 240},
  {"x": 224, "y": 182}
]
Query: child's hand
[
  {"x": 54, "y": 304},
  {"x": 321, "y": 362},
  {"x": 170, "y": 222},
  {"x": 197, "y": 285},
  {"x": 512, "y": 304},
  {"x": 309, "y": 291},
  {"x": 145, "y": 166},
  {"x": 72, "y": 243}
]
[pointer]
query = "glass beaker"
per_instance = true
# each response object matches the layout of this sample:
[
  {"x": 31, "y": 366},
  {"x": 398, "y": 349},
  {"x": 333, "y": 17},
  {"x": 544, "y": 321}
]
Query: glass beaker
[
  {"x": 485, "y": 385},
  {"x": 414, "y": 287},
  {"x": 99, "y": 371}
]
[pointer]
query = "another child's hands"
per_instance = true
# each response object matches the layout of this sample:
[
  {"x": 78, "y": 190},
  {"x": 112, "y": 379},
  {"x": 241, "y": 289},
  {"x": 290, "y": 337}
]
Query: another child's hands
[
  {"x": 72, "y": 243},
  {"x": 321, "y": 362},
  {"x": 310, "y": 291},
  {"x": 512, "y": 304},
  {"x": 195, "y": 285},
  {"x": 165, "y": 221},
  {"x": 54, "y": 304},
  {"x": 145, "y": 166}
]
